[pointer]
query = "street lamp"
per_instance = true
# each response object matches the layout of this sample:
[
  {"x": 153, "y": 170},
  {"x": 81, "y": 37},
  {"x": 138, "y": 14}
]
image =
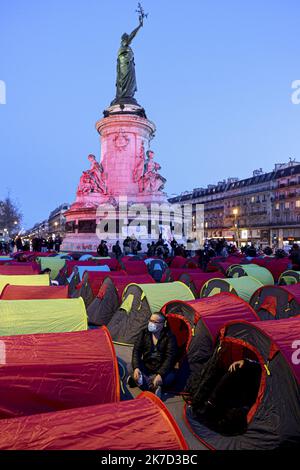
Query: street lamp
[{"x": 235, "y": 213}]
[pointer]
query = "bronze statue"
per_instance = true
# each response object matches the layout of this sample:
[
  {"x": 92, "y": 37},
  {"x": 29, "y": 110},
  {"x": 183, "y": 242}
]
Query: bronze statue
[{"x": 126, "y": 80}]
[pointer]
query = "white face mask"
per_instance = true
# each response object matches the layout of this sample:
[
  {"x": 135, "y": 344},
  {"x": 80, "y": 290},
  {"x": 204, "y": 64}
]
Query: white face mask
[{"x": 152, "y": 327}]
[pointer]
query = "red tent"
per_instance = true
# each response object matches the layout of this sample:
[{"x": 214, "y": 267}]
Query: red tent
[
  {"x": 16, "y": 270},
  {"x": 196, "y": 280},
  {"x": 51, "y": 372},
  {"x": 276, "y": 302},
  {"x": 208, "y": 316},
  {"x": 34, "y": 292},
  {"x": 135, "y": 267},
  {"x": 273, "y": 420},
  {"x": 181, "y": 262},
  {"x": 109, "y": 297},
  {"x": 33, "y": 264},
  {"x": 175, "y": 273},
  {"x": 141, "y": 424}
]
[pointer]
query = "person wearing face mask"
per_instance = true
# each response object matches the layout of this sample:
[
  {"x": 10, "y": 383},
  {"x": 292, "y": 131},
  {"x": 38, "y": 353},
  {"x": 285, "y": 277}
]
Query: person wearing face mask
[{"x": 154, "y": 356}]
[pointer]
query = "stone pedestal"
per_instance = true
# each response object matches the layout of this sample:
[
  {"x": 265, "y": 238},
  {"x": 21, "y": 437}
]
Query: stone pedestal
[{"x": 124, "y": 133}]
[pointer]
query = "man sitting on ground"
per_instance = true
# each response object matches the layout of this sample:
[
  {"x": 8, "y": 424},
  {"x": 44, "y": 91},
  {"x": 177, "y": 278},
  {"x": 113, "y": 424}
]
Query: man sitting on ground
[{"x": 154, "y": 356}]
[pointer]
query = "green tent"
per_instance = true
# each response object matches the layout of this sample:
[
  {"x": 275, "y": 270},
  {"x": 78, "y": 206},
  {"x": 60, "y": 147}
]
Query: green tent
[
  {"x": 52, "y": 262},
  {"x": 289, "y": 277},
  {"x": 24, "y": 280},
  {"x": 139, "y": 302},
  {"x": 20, "y": 317},
  {"x": 258, "y": 272},
  {"x": 244, "y": 287}
]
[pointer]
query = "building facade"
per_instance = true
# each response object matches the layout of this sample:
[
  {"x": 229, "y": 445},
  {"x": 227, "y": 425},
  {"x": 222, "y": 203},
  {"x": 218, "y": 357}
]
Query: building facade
[{"x": 263, "y": 209}]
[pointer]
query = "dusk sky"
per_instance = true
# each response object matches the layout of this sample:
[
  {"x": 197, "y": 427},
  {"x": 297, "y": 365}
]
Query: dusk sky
[{"x": 214, "y": 76}]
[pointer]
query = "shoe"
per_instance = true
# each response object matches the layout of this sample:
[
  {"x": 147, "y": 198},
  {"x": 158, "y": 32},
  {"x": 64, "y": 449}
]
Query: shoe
[
  {"x": 131, "y": 382},
  {"x": 158, "y": 392}
]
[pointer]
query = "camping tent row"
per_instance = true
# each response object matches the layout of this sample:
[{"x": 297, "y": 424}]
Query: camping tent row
[
  {"x": 273, "y": 420},
  {"x": 140, "y": 424}
]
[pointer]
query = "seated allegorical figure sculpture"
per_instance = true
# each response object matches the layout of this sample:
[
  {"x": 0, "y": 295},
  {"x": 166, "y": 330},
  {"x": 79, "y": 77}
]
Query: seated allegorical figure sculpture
[
  {"x": 152, "y": 180},
  {"x": 92, "y": 180},
  {"x": 138, "y": 172}
]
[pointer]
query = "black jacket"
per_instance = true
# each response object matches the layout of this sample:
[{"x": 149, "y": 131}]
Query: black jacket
[{"x": 159, "y": 359}]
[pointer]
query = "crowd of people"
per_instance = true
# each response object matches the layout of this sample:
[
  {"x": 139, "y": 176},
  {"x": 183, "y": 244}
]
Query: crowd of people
[{"x": 37, "y": 244}]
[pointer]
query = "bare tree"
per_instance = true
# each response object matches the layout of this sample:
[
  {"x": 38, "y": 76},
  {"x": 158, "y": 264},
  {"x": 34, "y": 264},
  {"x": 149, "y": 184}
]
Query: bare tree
[{"x": 10, "y": 216}]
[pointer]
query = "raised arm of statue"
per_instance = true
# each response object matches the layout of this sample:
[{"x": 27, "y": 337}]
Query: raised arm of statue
[{"x": 134, "y": 32}]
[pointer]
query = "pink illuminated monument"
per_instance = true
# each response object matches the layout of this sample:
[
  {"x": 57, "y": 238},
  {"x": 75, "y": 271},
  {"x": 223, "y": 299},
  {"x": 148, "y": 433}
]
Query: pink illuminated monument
[{"x": 126, "y": 174}]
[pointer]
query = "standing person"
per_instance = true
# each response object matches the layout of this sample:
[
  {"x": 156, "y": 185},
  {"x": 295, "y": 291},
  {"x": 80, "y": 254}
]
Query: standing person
[
  {"x": 44, "y": 247},
  {"x": 57, "y": 243},
  {"x": 173, "y": 246},
  {"x": 19, "y": 244},
  {"x": 116, "y": 249},
  {"x": 50, "y": 243},
  {"x": 126, "y": 246}
]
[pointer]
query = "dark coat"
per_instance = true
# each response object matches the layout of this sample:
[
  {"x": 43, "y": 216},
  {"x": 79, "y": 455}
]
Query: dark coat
[{"x": 165, "y": 354}]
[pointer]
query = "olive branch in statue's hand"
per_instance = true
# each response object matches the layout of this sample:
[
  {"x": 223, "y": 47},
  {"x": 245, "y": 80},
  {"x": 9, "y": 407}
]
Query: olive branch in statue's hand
[{"x": 141, "y": 13}]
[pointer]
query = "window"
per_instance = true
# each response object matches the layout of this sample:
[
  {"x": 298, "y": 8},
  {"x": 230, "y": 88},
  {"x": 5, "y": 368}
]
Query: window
[
  {"x": 277, "y": 206},
  {"x": 298, "y": 203},
  {"x": 252, "y": 199},
  {"x": 286, "y": 205},
  {"x": 86, "y": 226}
]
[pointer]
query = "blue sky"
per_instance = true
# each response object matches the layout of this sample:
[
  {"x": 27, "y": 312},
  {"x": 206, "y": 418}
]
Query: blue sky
[{"x": 214, "y": 76}]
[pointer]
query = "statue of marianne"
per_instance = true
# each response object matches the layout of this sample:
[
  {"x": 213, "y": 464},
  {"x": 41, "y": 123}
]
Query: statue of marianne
[{"x": 126, "y": 81}]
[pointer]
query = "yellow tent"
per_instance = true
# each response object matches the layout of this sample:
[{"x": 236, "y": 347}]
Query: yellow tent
[
  {"x": 25, "y": 280},
  {"x": 19, "y": 317}
]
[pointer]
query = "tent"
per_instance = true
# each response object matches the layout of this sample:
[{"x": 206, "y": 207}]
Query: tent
[
  {"x": 243, "y": 287},
  {"x": 33, "y": 264},
  {"x": 181, "y": 262},
  {"x": 135, "y": 267},
  {"x": 195, "y": 281},
  {"x": 289, "y": 277},
  {"x": 78, "y": 272},
  {"x": 25, "y": 280},
  {"x": 157, "y": 268},
  {"x": 257, "y": 272},
  {"x": 21, "y": 317},
  {"x": 109, "y": 297},
  {"x": 52, "y": 262},
  {"x": 91, "y": 282},
  {"x": 276, "y": 302},
  {"x": 175, "y": 273},
  {"x": 66, "y": 271},
  {"x": 206, "y": 317},
  {"x": 34, "y": 292},
  {"x": 275, "y": 265},
  {"x": 141, "y": 424},
  {"x": 18, "y": 270},
  {"x": 139, "y": 302},
  {"x": 52, "y": 372},
  {"x": 274, "y": 419}
]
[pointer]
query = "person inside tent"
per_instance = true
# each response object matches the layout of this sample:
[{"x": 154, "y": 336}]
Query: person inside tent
[
  {"x": 154, "y": 356},
  {"x": 226, "y": 398}
]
